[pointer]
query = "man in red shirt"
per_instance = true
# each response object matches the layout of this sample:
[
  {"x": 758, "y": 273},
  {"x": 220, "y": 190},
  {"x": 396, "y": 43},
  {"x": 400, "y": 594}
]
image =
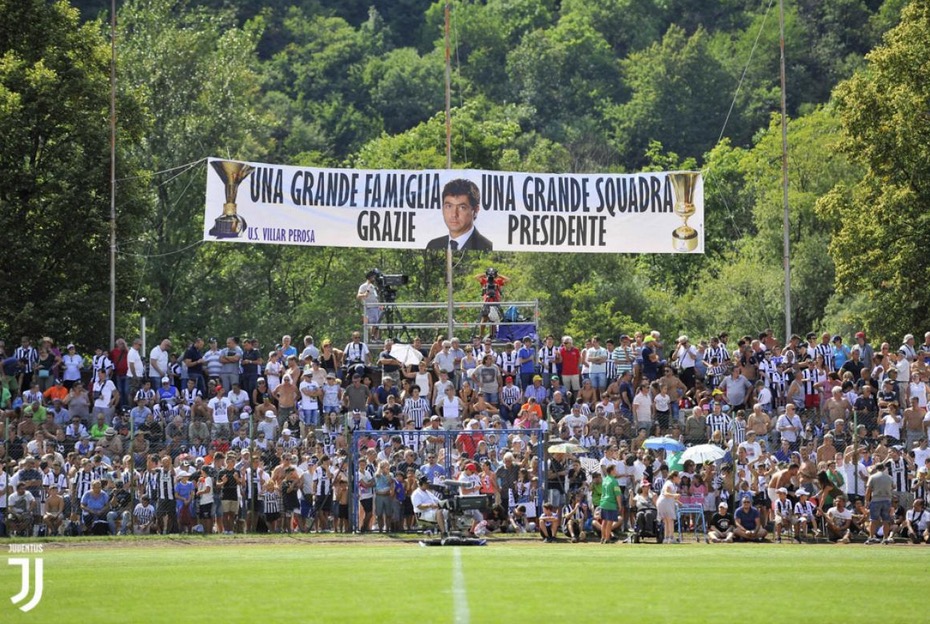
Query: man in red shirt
[
  {"x": 119, "y": 355},
  {"x": 569, "y": 358}
]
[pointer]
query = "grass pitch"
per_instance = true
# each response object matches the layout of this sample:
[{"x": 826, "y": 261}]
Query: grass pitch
[{"x": 376, "y": 581}]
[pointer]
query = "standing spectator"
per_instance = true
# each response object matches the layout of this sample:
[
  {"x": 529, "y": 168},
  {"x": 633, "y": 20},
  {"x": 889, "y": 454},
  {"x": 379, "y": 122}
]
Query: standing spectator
[
  {"x": 212, "y": 366},
  {"x": 135, "y": 369},
  {"x": 878, "y": 494},
  {"x": 251, "y": 364},
  {"x": 106, "y": 396},
  {"x": 569, "y": 360},
  {"x": 193, "y": 360},
  {"x": 27, "y": 356},
  {"x": 737, "y": 388},
  {"x": 643, "y": 408},
  {"x": 230, "y": 358},
  {"x": 547, "y": 360},
  {"x": 526, "y": 362},
  {"x": 72, "y": 363},
  {"x": 596, "y": 358},
  {"x": 119, "y": 355},
  {"x": 158, "y": 362},
  {"x": 219, "y": 409}
]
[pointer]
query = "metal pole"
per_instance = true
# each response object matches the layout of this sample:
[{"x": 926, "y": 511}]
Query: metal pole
[
  {"x": 251, "y": 517},
  {"x": 132, "y": 478},
  {"x": 142, "y": 331},
  {"x": 449, "y": 293},
  {"x": 784, "y": 173},
  {"x": 112, "y": 172}
]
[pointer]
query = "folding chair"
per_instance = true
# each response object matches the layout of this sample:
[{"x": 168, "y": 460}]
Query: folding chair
[{"x": 696, "y": 511}]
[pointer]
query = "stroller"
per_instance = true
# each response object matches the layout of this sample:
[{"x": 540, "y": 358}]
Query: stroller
[{"x": 647, "y": 525}]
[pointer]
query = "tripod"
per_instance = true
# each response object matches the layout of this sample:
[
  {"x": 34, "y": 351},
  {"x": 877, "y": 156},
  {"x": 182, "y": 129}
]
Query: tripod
[{"x": 391, "y": 316}]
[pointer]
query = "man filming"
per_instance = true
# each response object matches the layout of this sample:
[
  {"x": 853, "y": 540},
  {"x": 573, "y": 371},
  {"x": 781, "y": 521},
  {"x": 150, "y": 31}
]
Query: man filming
[
  {"x": 491, "y": 294},
  {"x": 428, "y": 506},
  {"x": 368, "y": 294}
]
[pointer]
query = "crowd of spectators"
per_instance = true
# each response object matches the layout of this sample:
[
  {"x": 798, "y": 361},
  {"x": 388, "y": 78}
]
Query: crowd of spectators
[{"x": 818, "y": 437}]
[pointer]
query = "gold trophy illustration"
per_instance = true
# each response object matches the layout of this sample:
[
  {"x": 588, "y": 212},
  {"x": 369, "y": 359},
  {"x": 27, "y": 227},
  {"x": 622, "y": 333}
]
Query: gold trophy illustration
[
  {"x": 684, "y": 183},
  {"x": 230, "y": 224}
]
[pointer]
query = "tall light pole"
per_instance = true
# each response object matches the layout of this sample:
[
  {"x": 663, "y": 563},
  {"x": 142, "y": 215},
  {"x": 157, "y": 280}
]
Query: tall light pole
[
  {"x": 112, "y": 172},
  {"x": 449, "y": 293},
  {"x": 786, "y": 226}
]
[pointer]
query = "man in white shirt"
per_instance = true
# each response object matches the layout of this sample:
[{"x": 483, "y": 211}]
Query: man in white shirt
[
  {"x": 752, "y": 447},
  {"x": 368, "y": 295},
  {"x": 643, "y": 408},
  {"x": 219, "y": 407},
  {"x": 135, "y": 369},
  {"x": 158, "y": 362},
  {"x": 427, "y": 505},
  {"x": 789, "y": 426}
]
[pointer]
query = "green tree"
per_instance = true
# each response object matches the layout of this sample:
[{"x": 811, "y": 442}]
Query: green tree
[
  {"x": 54, "y": 152},
  {"x": 193, "y": 73},
  {"x": 880, "y": 221},
  {"x": 680, "y": 97}
]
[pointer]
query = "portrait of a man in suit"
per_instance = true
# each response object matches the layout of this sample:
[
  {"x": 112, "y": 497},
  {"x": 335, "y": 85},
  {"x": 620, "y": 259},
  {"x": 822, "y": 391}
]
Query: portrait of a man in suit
[{"x": 460, "y": 206}]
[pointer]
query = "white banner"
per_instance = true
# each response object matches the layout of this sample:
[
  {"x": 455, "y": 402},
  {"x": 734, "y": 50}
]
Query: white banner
[{"x": 477, "y": 210}]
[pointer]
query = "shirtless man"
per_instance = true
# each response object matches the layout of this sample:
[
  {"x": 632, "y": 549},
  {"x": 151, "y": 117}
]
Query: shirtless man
[
  {"x": 782, "y": 479},
  {"x": 827, "y": 450},
  {"x": 913, "y": 423},
  {"x": 837, "y": 406},
  {"x": 760, "y": 422},
  {"x": 54, "y": 511}
]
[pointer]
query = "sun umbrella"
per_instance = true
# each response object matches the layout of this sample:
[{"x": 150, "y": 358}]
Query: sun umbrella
[
  {"x": 673, "y": 461},
  {"x": 664, "y": 443},
  {"x": 406, "y": 354},
  {"x": 567, "y": 447},
  {"x": 703, "y": 453}
]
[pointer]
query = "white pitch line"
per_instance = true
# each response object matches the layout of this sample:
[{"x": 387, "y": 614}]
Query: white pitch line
[{"x": 459, "y": 595}]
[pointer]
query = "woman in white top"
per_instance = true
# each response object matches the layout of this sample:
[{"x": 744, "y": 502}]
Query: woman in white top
[
  {"x": 451, "y": 409},
  {"x": 918, "y": 388},
  {"x": 666, "y": 504},
  {"x": 72, "y": 363}
]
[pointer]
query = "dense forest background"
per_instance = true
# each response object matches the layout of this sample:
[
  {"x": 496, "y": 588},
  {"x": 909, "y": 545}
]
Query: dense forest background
[{"x": 538, "y": 85}]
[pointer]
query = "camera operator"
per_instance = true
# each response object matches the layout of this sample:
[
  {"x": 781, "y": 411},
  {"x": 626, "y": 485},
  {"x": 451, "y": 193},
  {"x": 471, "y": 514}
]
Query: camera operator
[
  {"x": 492, "y": 285},
  {"x": 428, "y": 507},
  {"x": 368, "y": 294}
]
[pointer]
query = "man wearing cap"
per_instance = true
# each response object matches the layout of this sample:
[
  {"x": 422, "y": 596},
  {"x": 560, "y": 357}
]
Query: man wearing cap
[
  {"x": 721, "y": 525},
  {"x": 536, "y": 390},
  {"x": 428, "y": 507},
  {"x": 510, "y": 400},
  {"x": 526, "y": 362}
]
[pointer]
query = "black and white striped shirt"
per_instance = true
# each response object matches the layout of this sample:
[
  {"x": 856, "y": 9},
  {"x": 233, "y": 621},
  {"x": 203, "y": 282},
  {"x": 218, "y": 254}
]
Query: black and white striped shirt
[
  {"x": 547, "y": 357},
  {"x": 101, "y": 362},
  {"x": 416, "y": 410},
  {"x": 720, "y": 353},
  {"x": 811, "y": 377},
  {"x": 719, "y": 422},
  {"x": 29, "y": 354},
  {"x": 82, "y": 481},
  {"x": 322, "y": 481},
  {"x": 510, "y": 395},
  {"x": 272, "y": 501},
  {"x": 507, "y": 362},
  {"x": 190, "y": 395},
  {"x": 164, "y": 483},
  {"x": 826, "y": 351},
  {"x": 783, "y": 508},
  {"x": 898, "y": 471},
  {"x": 144, "y": 514}
]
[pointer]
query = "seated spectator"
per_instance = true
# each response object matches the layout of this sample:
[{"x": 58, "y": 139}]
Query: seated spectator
[{"x": 721, "y": 525}]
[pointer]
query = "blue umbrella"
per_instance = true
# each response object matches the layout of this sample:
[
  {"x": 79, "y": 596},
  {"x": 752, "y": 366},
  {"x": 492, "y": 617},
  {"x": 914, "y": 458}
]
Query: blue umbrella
[{"x": 665, "y": 443}]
